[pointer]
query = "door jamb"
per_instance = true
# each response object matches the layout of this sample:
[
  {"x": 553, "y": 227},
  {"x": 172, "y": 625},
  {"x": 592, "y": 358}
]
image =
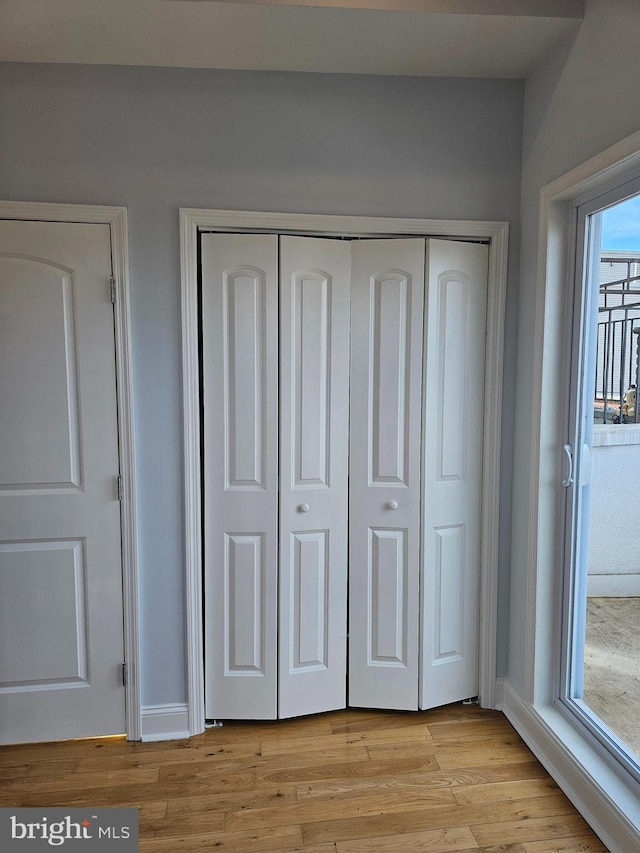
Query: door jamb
[
  {"x": 497, "y": 233},
  {"x": 116, "y": 219}
]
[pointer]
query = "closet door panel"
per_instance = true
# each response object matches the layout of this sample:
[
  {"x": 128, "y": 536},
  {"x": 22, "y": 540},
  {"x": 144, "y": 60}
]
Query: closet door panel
[
  {"x": 453, "y": 419},
  {"x": 314, "y": 424},
  {"x": 239, "y": 432},
  {"x": 386, "y": 379}
]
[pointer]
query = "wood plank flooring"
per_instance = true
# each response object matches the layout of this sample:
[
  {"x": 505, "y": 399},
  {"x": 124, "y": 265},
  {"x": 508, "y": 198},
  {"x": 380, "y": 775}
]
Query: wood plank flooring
[{"x": 453, "y": 779}]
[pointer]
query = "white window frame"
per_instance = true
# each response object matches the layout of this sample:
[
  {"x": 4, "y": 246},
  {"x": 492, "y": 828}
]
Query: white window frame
[
  {"x": 497, "y": 233},
  {"x": 609, "y": 801},
  {"x": 582, "y": 294}
]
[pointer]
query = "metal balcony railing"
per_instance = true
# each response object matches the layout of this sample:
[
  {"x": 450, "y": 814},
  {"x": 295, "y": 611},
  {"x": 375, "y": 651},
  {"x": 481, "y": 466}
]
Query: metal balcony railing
[{"x": 616, "y": 400}]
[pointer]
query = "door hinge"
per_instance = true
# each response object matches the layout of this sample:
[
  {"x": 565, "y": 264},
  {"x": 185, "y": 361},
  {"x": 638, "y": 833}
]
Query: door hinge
[
  {"x": 112, "y": 283},
  {"x": 125, "y": 674},
  {"x": 119, "y": 486}
]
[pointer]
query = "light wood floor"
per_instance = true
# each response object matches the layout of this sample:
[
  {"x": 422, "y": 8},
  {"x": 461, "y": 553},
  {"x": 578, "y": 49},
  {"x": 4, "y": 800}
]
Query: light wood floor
[{"x": 453, "y": 779}]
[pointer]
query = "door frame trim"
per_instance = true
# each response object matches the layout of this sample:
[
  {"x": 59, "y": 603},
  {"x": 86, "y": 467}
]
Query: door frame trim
[
  {"x": 116, "y": 219},
  {"x": 497, "y": 233}
]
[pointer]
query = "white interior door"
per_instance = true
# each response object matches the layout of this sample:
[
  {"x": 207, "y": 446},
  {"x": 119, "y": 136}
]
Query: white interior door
[
  {"x": 240, "y": 420},
  {"x": 314, "y": 424},
  {"x": 452, "y": 458},
  {"x": 384, "y": 551},
  {"x": 61, "y": 636}
]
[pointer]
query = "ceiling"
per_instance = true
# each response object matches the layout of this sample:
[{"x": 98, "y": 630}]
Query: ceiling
[{"x": 444, "y": 38}]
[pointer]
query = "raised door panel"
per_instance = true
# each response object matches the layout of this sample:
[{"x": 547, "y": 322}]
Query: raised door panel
[
  {"x": 61, "y": 639},
  {"x": 453, "y": 418},
  {"x": 384, "y": 519},
  {"x": 244, "y": 358},
  {"x": 244, "y": 605},
  {"x": 389, "y": 377},
  {"x": 40, "y": 407},
  {"x": 240, "y": 417},
  {"x": 314, "y": 413},
  {"x": 35, "y": 574},
  {"x": 388, "y": 583},
  {"x": 308, "y": 616}
]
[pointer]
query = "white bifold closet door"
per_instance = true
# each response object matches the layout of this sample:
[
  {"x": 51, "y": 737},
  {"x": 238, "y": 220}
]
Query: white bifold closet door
[
  {"x": 240, "y": 439},
  {"x": 453, "y": 406},
  {"x": 417, "y": 371},
  {"x": 295, "y": 478},
  {"x": 384, "y": 550},
  {"x": 275, "y": 557}
]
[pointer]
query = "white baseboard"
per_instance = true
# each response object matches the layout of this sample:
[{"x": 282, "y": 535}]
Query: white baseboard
[
  {"x": 499, "y": 694},
  {"x": 165, "y": 722},
  {"x": 605, "y": 801}
]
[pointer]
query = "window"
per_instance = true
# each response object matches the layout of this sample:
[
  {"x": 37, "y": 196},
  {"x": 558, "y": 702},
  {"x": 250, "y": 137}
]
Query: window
[{"x": 600, "y": 666}]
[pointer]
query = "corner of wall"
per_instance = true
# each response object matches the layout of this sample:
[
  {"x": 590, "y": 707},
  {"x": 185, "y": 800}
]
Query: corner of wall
[
  {"x": 165, "y": 722},
  {"x": 594, "y": 788}
]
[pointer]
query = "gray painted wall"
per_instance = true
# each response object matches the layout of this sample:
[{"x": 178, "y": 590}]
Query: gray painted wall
[
  {"x": 584, "y": 98},
  {"x": 158, "y": 139}
]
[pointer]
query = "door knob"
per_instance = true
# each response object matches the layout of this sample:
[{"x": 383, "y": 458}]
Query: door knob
[
  {"x": 304, "y": 508},
  {"x": 392, "y": 505}
]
